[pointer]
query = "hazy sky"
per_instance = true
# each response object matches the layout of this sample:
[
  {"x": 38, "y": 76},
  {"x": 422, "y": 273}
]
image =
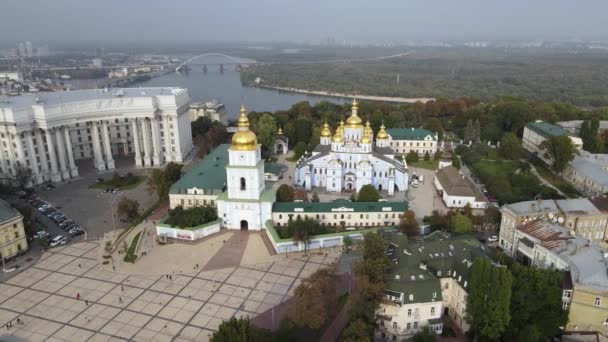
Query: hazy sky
[{"x": 290, "y": 20}]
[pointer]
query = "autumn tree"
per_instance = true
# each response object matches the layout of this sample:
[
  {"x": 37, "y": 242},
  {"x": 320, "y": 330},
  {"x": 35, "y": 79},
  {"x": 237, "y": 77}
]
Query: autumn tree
[
  {"x": 300, "y": 195},
  {"x": 285, "y": 193},
  {"x": 265, "y": 130},
  {"x": 357, "y": 331},
  {"x": 128, "y": 208},
  {"x": 408, "y": 223},
  {"x": 375, "y": 262},
  {"x": 160, "y": 180},
  {"x": 315, "y": 299},
  {"x": 240, "y": 330}
]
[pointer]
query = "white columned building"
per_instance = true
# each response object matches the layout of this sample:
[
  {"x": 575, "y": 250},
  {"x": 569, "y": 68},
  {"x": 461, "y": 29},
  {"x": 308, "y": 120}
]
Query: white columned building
[{"x": 49, "y": 133}]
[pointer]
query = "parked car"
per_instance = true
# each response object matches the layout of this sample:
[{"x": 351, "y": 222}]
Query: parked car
[
  {"x": 49, "y": 186},
  {"x": 66, "y": 223},
  {"x": 493, "y": 238},
  {"x": 76, "y": 231},
  {"x": 41, "y": 234},
  {"x": 56, "y": 240}
]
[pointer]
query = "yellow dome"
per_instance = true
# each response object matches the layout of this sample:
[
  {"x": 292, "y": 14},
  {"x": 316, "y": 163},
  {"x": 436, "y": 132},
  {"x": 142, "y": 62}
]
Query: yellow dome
[
  {"x": 367, "y": 139},
  {"x": 280, "y": 131},
  {"x": 244, "y": 139},
  {"x": 382, "y": 133},
  {"x": 354, "y": 121},
  {"x": 325, "y": 132},
  {"x": 355, "y": 105},
  {"x": 368, "y": 129},
  {"x": 338, "y": 136}
]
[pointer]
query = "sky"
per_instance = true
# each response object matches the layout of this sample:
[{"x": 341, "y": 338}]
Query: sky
[{"x": 299, "y": 21}]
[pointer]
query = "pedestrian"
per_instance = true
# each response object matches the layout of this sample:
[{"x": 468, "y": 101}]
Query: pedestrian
[
  {"x": 79, "y": 266},
  {"x": 10, "y": 324},
  {"x": 196, "y": 265},
  {"x": 122, "y": 287},
  {"x": 120, "y": 300},
  {"x": 171, "y": 278},
  {"x": 7, "y": 326},
  {"x": 88, "y": 319},
  {"x": 86, "y": 302},
  {"x": 114, "y": 267},
  {"x": 78, "y": 296}
]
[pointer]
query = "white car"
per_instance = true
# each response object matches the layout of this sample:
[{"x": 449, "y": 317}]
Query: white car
[
  {"x": 41, "y": 234},
  {"x": 57, "y": 240},
  {"x": 493, "y": 238}
]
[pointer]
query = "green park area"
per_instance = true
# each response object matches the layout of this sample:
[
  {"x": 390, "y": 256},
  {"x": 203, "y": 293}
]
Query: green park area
[{"x": 126, "y": 182}]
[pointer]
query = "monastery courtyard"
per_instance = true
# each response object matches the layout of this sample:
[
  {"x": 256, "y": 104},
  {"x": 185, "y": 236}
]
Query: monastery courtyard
[{"x": 144, "y": 302}]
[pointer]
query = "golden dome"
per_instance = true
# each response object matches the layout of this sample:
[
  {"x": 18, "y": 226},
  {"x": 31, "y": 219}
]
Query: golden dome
[
  {"x": 382, "y": 133},
  {"x": 325, "y": 132},
  {"x": 244, "y": 139},
  {"x": 367, "y": 139},
  {"x": 338, "y": 136},
  {"x": 355, "y": 105},
  {"x": 341, "y": 127},
  {"x": 368, "y": 129},
  {"x": 280, "y": 131},
  {"x": 354, "y": 121}
]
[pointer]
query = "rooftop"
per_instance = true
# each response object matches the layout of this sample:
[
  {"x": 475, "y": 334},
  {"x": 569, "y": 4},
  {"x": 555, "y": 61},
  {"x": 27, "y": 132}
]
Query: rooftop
[
  {"x": 532, "y": 207},
  {"x": 53, "y": 98},
  {"x": 419, "y": 265},
  {"x": 578, "y": 206},
  {"x": 455, "y": 184},
  {"x": 409, "y": 133},
  {"x": 7, "y": 212},
  {"x": 209, "y": 173},
  {"x": 592, "y": 166},
  {"x": 546, "y": 129},
  {"x": 338, "y": 206}
]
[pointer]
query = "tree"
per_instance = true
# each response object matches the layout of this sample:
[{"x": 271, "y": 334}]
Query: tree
[
  {"x": 315, "y": 299},
  {"x": 285, "y": 193},
  {"x": 469, "y": 132},
  {"x": 357, "y": 331},
  {"x": 173, "y": 172},
  {"x": 301, "y": 233},
  {"x": 315, "y": 197},
  {"x": 455, "y": 161},
  {"x": 28, "y": 223},
  {"x": 477, "y": 131},
  {"x": 368, "y": 194},
  {"x": 461, "y": 224},
  {"x": 265, "y": 129},
  {"x": 128, "y": 208},
  {"x": 348, "y": 242},
  {"x": 408, "y": 223},
  {"x": 510, "y": 146},
  {"x": 427, "y": 156},
  {"x": 412, "y": 157},
  {"x": 299, "y": 149},
  {"x": 160, "y": 180},
  {"x": 488, "y": 302},
  {"x": 23, "y": 175},
  {"x": 240, "y": 330},
  {"x": 425, "y": 335},
  {"x": 300, "y": 195},
  {"x": 375, "y": 262},
  {"x": 437, "y": 221},
  {"x": 559, "y": 150}
]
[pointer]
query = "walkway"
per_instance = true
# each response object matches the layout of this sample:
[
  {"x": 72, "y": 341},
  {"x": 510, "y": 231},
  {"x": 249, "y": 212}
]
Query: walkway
[
  {"x": 544, "y": 181},
  {"x": 231, "y": 253},
  {"x": 123, "y": 307}
]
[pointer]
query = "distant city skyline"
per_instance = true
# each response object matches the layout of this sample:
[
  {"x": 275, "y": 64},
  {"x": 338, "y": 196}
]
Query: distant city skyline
[{"x": 313, "y": 21}]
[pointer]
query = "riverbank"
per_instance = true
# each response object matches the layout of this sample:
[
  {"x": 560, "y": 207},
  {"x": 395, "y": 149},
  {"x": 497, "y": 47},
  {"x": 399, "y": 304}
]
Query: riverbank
[{"x": 343, "y": 95}]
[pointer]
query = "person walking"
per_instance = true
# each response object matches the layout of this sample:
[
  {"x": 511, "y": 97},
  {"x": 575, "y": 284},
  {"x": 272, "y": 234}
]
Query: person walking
[{"x": 78, "y": 296}]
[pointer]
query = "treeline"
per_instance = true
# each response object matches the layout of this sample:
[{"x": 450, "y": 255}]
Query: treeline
[{"x": 580, "y": 79}]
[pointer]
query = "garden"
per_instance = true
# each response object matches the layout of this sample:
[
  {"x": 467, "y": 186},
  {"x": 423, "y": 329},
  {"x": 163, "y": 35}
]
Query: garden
[{"x": 126, "y": 182}]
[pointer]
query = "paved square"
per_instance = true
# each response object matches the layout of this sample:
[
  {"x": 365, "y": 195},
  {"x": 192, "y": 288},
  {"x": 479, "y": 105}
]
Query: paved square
[{"x": 123, "y": 307}]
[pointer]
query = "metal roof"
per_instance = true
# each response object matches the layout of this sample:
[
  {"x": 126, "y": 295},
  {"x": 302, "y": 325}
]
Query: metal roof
[
  {"x": 547, "y": 129},
  {"x": 7, "y": 212},
  {"x": 409, "y": 133}
]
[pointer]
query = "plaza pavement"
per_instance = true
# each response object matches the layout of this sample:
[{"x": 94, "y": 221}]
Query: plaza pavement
[{"x": 121, "y": 306}]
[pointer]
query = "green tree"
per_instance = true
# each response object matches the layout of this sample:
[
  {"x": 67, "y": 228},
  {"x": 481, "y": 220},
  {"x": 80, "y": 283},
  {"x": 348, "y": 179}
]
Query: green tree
[
  {"x": 455, "y": 161},
  {"x": 427, "y": 156},
  {"x": 285, "y": 193},
  {"x": 559, "y": 150},
  {"x": 375, "y": 262},
  {"x": 240, "y": 330},
  {"x": 299, "y": 149},
  {"x": 128, "y": 208},
  {"x": 368, "y": 194},
  {"x": 461, "y": 224},
  {"x": 510, "y": 146},
  {"x": 23, "y": 175},
  {"x": 315, "y": 197},
  {"x": 408, "y": 223},
  {"x": 347, "y": 241},
  {"x": 265, "y": 129},
  {"x": 469, "y": 132},
  {"x": 425, "y": 335},
  {"x": 437, "y": 221},
  {"x": 173, "y": 172},
  {"x": 477, "y": 131},
  {"x": 157, "y": 183},
  {"x": 357, "y": 331},
  {"x": 488, "y": 302},
  {"x": 412, "y": 157}
]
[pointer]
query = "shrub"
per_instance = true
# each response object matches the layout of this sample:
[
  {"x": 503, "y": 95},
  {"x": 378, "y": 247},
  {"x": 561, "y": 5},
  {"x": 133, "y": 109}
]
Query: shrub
[
  {"x": 191, "y": 217},
  {"x": 130, "y": 255}
]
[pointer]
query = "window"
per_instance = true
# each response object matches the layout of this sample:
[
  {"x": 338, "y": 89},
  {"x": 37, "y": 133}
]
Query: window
[
  {"x": 394, "y": 325},
  {"x": 409, "y": 312},
  {"x": 597, "y": 301},
  {"x": 565, "y": 305},
  {"x": 243, "y": 184},
  {"x": 432, "y": 311},
  {"x": 408, "y": 326},
  {"x": 415, "y": 325},
  {"x": 567, "y": 293}
]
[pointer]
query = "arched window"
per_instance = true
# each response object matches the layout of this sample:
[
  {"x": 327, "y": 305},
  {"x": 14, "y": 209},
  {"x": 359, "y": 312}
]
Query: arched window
[{"x": 243, "y": 183}]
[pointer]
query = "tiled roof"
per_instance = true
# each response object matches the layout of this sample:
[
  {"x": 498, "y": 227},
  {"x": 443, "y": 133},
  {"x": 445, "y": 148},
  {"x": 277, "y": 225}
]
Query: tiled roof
[
  {"x": 409, "y": 133},
  {"x": 455, "y": 184}
]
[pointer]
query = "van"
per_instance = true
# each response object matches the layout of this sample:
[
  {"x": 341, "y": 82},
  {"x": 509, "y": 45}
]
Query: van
[
  {"x": 421, "y": 179},
  {"x": 56, "y": 240}
]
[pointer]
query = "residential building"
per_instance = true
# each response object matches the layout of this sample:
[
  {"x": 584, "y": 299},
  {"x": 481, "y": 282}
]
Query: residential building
[
  {"x": 348, "y": 160},
  {"x": 428, "y": 280},
  {"x": 537, "y": 132},
  {"x": 49, "y": 132},
  {"x": 12, "y": 231},
  {"x": 546, "y": 244},
  {"x": 580, "y": 216},
  {"x": 341, "y": 213},
  {"x": 456, "y": 190},
  {"x": 588, "y": 173},
  {"x": 404, "y": 140},
  {"x": 211, "y": 109}
]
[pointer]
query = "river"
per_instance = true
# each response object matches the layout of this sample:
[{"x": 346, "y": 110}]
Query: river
[{"x": 227, "y": 89}]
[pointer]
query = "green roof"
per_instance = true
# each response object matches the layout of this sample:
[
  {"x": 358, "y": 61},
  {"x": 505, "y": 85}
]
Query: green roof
[
  {"x": 409, "y": 133},
  {"x": 273, "y": 168},
  {"x": 326, "y": 207},
  {"x": 209, "y": 173},
  {"x": 421, "y": 264},
  {"x": 7, "y": 212},
  {"x": 547, "y": 129}
]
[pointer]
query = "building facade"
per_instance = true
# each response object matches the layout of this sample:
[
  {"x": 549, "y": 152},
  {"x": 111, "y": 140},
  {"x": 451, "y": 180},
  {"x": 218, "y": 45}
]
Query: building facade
[
  {"x": 405, "y": 140},
  {"x": 212, "y": 109},
  {"x": 535, "y": 133},
  {"x": 12, "y": 231},
  {"x": 456, "y": 190},
  {"x": 588, "y": 173},
  {"x": 49, "y": 132},
  {"x": 348, "y": 160}
]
